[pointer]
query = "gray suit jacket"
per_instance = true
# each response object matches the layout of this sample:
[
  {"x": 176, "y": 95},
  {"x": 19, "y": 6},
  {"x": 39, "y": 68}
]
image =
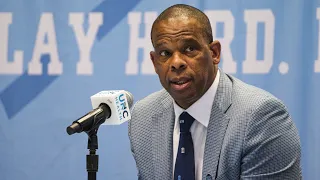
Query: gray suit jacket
[{"x": 250, "y": 135}]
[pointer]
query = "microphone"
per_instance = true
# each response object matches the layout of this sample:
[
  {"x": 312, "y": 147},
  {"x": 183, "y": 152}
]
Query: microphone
[{"x": 112, "y": 105}]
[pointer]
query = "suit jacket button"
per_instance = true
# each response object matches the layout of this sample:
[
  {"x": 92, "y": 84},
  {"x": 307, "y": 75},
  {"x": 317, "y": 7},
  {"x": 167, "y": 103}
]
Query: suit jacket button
[{"x": 209, "y": 177}]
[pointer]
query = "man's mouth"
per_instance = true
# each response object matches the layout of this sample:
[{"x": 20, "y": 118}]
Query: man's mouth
[{"x": 180, "y": 84}]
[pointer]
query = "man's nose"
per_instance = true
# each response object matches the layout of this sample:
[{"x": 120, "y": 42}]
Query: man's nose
[{"x": 178, "y": 63}]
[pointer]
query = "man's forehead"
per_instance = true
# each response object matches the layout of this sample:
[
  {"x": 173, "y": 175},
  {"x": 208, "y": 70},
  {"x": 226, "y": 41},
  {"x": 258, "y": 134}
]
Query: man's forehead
[
  {"x": 177, "y": 25},
  {"x": 182, "y": 18},
  {"x": 179, "y": 40},
  {"x": 179, "y": 20}
]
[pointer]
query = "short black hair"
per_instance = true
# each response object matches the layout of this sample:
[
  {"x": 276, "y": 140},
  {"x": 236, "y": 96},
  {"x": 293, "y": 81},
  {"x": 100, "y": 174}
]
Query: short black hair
[{"x": 179, "y": 10}]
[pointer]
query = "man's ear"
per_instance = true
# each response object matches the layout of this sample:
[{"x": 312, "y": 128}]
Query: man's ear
[
  {"x": 215, "y": 48},
  {"x": 152, "y": 57}
]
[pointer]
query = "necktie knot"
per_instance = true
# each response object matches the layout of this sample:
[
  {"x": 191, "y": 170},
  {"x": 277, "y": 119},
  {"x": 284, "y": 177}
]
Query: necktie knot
[{"x": 185, "y": 121}]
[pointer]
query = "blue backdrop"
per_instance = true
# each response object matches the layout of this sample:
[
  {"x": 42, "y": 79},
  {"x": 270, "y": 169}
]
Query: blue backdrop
[{"x": 55, "y": 54}]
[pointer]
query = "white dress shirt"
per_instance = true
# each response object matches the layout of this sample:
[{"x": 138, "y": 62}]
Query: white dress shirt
[{"x": 200, "y": 111}]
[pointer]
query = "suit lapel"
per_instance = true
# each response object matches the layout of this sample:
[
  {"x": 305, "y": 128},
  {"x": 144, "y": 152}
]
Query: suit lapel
[
  {"x": 217, "y": 126},
  {"x": 162, "y": 134}
]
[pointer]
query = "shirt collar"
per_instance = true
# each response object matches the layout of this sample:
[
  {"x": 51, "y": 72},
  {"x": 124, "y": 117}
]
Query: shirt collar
[{"x": 201, "y": 109}]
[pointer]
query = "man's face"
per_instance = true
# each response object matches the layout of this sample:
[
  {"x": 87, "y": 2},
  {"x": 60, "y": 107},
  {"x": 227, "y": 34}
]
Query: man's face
[{"x": 183, "y": 59}]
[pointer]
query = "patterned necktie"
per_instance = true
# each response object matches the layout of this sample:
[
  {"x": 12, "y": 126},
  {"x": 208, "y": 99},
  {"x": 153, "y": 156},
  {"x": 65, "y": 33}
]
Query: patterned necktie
[{"x": 184, "y": 167}]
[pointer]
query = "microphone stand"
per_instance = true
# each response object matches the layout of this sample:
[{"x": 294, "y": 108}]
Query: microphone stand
[
  {"x": 92, "y": 158},
  {"x": 83, "y": 124}
]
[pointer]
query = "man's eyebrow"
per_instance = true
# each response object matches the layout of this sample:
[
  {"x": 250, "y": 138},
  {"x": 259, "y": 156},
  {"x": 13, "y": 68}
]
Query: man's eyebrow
[
  {"x": 158, "y": 44},
  {"x": 190, "y": 40}
]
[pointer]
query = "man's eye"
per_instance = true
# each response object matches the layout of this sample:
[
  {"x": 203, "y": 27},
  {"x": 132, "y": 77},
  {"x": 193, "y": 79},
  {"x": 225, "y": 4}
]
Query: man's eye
[
  {"x": 189, "y": 49},
  {"x": 164, "y": 53}
]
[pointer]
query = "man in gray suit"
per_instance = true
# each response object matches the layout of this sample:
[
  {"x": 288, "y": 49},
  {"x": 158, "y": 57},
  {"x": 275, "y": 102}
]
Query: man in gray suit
[{"x": 206, "y": 124}]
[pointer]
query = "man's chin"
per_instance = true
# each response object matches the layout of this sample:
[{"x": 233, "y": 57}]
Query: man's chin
[{"x": 183, "y": 97}]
